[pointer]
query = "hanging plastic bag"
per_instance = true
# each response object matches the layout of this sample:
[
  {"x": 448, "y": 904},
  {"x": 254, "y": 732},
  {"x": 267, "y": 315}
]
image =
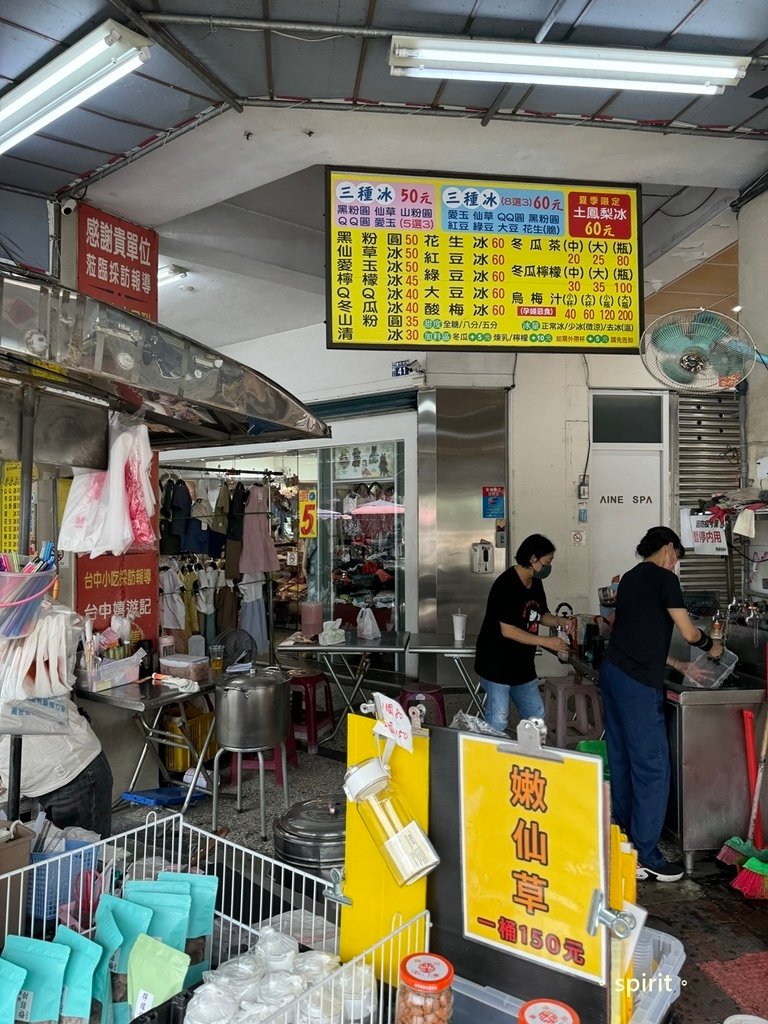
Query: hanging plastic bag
[
  {"x": 367, "y": 627},
  {"x": 35, "y": 717},
  {"x": 41, "y": 664}
]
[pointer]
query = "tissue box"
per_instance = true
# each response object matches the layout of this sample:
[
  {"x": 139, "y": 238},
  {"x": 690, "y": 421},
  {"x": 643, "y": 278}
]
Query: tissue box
[{"x": 186, "y": 666}]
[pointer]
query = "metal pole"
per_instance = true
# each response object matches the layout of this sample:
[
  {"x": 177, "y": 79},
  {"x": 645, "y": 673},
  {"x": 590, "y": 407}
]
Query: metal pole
[{"x": 25, "y": 512}]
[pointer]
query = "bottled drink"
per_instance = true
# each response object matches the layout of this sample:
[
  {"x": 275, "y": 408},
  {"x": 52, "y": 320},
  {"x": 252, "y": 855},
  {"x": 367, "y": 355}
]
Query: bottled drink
[
  {"x": 717, "y": 627},
  {"x": 563, "y": 655}
]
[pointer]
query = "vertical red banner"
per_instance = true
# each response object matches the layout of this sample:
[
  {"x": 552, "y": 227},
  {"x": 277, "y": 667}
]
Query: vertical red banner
[{"x": 117, "y": 261}]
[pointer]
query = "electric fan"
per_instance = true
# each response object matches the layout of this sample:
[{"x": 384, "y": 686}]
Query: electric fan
[
  {"x": 693, "y": 350},
  {"x": 239, "y": 647}
]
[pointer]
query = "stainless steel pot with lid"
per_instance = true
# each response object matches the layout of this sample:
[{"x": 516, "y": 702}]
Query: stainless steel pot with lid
[
  {"x": 310, "y": 835},
  {"x": 253, "y": 709}
]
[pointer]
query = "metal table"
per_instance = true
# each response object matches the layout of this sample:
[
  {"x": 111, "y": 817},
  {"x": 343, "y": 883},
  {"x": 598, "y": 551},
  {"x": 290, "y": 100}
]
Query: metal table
[
  {"x": 147, "y": 701},
  {"x": 387, "y": 643},
  {"x": 443, "y": 643}
]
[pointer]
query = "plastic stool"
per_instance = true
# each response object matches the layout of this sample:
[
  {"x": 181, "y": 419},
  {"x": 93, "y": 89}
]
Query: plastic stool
[
  {"x": 274, "y": 764},
  {"x": 568, "y": 702},
  {"x": 262, "y": 798},
  {"x": 424, "y": 693},
  {"x": 314, "y": 723}
]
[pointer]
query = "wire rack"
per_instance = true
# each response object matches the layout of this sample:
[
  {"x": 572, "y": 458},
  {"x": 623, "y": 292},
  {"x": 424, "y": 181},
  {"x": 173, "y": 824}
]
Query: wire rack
[{"x": 253, "y": 890}]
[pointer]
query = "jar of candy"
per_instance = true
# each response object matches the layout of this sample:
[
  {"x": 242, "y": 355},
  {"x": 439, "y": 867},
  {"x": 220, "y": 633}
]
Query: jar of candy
[{"x": 424, "y": 992}]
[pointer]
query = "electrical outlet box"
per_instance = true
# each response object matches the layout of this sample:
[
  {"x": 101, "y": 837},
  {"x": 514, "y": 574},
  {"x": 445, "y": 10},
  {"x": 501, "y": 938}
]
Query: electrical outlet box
[{"x": 582, "y": 490}]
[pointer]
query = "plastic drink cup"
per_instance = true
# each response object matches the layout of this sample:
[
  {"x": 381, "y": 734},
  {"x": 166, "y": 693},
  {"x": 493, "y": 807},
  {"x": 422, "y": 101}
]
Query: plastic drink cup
[
  {"x": 459, "y": 628},
  {"x": 217, "y": 658}
]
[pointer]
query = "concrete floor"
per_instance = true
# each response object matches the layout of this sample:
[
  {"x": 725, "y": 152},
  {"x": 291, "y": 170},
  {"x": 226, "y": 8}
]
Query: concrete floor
[{"x": 716, "y": 924}]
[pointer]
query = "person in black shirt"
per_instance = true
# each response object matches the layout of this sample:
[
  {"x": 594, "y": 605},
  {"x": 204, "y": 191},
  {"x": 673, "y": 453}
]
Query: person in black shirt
[
  {"x": 649, "y": 602},
  {"x": 508, "y": 638}
]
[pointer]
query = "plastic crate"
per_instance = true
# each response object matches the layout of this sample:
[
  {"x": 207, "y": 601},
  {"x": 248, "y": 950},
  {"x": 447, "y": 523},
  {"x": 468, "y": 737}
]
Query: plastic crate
[
  {"x": 596, "y": 747},
  {"x": 178, "y": 759},
  {"x": 162, "y": 796},
  {"x": 652, "y": 1005},
  {"x": 50, "y": 885}
]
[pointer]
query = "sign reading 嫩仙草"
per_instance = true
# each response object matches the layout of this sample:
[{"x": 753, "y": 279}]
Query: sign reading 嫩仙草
[{"x": 425, "y": 262}]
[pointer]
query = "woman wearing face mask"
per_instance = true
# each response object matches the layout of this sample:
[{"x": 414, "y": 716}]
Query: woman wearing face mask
[
  {"x": 649, "y": 603},
  {"x": 508, "y": 638}
]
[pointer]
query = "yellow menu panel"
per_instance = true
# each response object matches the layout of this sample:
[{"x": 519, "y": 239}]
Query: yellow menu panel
[
  {"x": 418, "y": 262},
  {"x": 532, "y": 854}
]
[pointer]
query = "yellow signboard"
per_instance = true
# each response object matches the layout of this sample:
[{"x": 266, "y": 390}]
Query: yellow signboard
[
  {"x": 532, "y": 855},
  {"x": 418, "y": 262},
  {"x": 308, "y": 513}
]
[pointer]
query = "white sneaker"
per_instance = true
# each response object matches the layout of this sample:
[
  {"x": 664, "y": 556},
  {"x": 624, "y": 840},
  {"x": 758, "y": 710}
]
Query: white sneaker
[{"x": 670, "y": 872}]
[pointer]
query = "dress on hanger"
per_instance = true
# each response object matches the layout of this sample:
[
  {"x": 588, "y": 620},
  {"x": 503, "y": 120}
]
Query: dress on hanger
[
  {"x": 253, "y": 617},
  {"x": 172, "y": 613},
  {"x": 258, "y": 554}
]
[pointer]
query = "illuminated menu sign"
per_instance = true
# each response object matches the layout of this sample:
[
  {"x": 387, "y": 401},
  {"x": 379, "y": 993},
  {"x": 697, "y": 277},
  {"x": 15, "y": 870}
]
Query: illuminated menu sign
[{"x": 418, "y": 262}]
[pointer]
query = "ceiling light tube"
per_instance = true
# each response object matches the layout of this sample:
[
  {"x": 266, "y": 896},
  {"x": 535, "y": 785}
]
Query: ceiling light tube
[
  {"x": 101, "y": 58},
  {"x": 168, "y": 273},
  {"x": 576, "y": 81},
  {"x": 655, "y": 70}
]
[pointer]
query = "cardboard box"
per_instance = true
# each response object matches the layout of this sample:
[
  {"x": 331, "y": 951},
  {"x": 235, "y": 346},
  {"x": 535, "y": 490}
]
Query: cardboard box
[{"x": 14, "y": 854}]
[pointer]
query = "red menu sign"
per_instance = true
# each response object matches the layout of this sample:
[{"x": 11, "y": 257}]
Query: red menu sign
[
  {"x": 117, "y": 261},
  {"x": 120, "y": 585}
]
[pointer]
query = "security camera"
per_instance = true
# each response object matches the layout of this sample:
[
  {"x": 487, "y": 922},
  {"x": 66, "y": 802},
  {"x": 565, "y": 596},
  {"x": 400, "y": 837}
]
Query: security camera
[{"x": 68, "y": 207}]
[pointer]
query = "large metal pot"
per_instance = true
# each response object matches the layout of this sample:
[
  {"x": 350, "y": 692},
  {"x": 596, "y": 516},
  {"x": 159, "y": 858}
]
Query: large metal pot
[
  {"x": 253, "y": 709},
  {"x": 311, "y": 835}
]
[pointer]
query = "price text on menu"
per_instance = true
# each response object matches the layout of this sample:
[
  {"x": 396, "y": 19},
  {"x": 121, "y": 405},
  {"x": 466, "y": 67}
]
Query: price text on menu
[{"x": 417, "y": 262}]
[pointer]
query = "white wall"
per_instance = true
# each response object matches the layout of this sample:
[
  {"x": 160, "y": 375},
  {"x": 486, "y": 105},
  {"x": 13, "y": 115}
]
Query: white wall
[{"x": 753, "y": 296}]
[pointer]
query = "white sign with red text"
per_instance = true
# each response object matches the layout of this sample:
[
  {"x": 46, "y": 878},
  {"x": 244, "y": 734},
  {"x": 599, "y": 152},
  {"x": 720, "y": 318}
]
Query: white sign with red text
[
  {"x": 393, "y": 722},
  {"x": 708, "y": 537}
]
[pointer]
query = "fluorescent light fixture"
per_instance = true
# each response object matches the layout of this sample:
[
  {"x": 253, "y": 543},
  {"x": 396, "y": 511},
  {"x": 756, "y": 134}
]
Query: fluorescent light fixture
[
  {"x": 170, "y": 273},
  {"x": 579, "y": 66},
  {"x": 102, "y": 57}
]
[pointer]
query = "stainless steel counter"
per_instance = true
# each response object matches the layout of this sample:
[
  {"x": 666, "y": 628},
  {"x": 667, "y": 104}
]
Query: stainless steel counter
[{"x": 709, "y": 796}]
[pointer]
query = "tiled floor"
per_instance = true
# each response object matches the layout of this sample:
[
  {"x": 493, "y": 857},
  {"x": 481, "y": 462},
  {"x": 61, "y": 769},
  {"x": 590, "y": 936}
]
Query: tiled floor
[{"x": 714, "y": 922}]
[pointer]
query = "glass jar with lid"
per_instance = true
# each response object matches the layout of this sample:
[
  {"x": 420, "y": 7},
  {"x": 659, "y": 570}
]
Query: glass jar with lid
[
  {"x": 401, "y": 840},
  {"x": 424, "y": 991}
]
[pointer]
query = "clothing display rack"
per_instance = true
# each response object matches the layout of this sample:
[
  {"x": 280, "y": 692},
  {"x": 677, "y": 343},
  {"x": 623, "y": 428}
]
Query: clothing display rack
[
  {"x": 220, "y": 471},
  {"x": 192, "y": 472}
]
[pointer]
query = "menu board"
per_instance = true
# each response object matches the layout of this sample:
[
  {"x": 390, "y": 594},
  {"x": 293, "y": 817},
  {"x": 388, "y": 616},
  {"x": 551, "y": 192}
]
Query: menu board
[{"x": 422, "y": 262}]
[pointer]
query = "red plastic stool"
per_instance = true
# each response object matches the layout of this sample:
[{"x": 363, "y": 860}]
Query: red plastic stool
[
  {"x": 274, "y": 764},
  {"x": 424, "y": 693},
  {"x": 314, "y": 723}
]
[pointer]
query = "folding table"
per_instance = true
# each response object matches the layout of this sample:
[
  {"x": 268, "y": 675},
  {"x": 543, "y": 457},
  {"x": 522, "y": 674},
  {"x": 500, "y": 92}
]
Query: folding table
[
  {"x": 147, "y": 702},
  {"x": 443, "y": 643},
  {"x": 387, "y": 643}
]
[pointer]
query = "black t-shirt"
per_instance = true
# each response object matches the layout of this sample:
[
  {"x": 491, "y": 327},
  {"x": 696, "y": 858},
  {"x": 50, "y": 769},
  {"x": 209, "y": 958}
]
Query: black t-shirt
[
  {"x": 642, "y": 628},
  {"x": 498, "y": 658}
]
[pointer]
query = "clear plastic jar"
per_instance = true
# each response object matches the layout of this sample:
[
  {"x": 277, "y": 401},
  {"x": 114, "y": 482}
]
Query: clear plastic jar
[
  {"x": 402, "y": 842},
  {"x": 278, "y": 950},
  {"x": 424, "y": 992},
  {"x": 320, "y": 1007},
  {"x": 359, "y": 993}
]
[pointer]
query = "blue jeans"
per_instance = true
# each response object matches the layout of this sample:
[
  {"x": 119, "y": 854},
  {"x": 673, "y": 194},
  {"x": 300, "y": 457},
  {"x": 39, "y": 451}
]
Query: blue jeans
[
  {"x": 85, "y": 801},
  {"x": 525, "y": 696},
  {"x": 638, "y": 756}
]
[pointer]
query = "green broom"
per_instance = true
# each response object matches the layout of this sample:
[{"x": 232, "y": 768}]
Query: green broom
[
  {"x": 737, "y": 851},
  {"x": 752, "y": 880}
]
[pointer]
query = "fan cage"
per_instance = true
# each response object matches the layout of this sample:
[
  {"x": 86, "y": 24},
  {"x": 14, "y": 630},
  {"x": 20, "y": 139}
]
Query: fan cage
[{"x": 697, "y": 350}]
